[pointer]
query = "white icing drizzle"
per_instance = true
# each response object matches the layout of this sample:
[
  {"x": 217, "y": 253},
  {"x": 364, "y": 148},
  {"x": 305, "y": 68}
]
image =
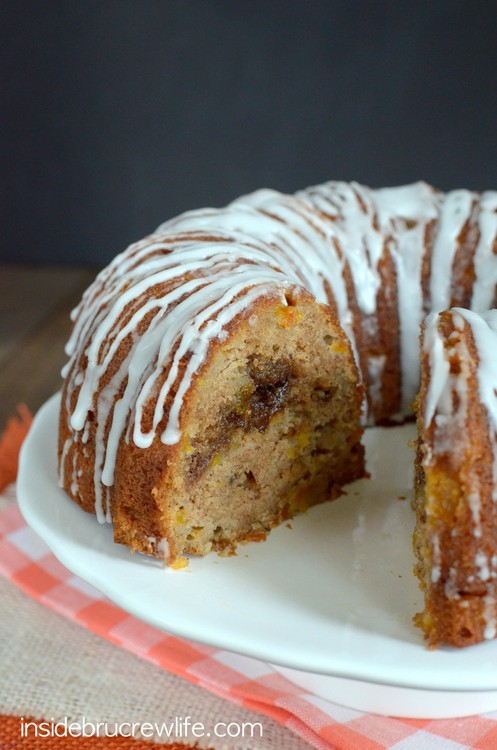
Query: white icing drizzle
[
  {"x": 455, "y": 212},
  {"x": 481, "y": 562},
  {"x": 194, "y": 324},
  {"x": 301, "y": 241},
  {"x": 485, "y": 258},
  {"x": 62, "y": 464},
  {"x": 405, "y": 212},
  {"x": 439, "y": 406},
  {"x": 484, "y": 331},
  {"x": 354, "y": 225},
  {"x": 183, "y": 285},
  {"x": 438, "y": 397},
  {"x": 361, "y": 221},
  {"x": 364, "y": 223},
  {"x": 376, "y": 366}
]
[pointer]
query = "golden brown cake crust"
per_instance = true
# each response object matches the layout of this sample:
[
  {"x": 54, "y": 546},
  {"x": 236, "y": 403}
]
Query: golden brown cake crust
[
  {"x": 456, "y": 516},
  {"x": 157, "y": 497},
  {"x": 218, "y": 367}
]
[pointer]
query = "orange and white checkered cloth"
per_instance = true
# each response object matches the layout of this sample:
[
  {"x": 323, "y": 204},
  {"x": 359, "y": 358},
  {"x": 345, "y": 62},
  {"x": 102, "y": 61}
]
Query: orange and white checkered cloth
[{"x": 27, "y": 561}]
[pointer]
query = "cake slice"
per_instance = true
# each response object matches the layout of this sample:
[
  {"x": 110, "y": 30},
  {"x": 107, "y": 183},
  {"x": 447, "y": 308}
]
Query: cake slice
[
  {"x": 455, "y": 539},
  {"x": 269, "y": 425}
]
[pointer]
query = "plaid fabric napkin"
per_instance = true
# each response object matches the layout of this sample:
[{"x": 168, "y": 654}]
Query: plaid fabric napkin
[{"x": 27, "y": 562}]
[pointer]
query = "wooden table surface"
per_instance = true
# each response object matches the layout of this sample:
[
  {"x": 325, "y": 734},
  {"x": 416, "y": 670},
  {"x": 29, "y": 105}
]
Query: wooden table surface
[{"x": 35, "y": 303}]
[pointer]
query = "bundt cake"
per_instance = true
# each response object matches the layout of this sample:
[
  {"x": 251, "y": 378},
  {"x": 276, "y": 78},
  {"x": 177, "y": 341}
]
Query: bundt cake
[
  {"x": 456, "y": 477},
  {"x": 221, "y": 371}
]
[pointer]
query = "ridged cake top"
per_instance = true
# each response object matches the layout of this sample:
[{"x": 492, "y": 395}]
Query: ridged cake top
[
  {"x": 167, "y": 298},
  {"x": 439, "y": 404},
  {"x": 447, "y": 402}
]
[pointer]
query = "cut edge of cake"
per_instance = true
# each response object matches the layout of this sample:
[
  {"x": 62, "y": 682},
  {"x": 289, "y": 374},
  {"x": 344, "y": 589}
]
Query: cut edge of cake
[
  {"x": 455, "y": 538},
  {"x": 270, "y": 426}
]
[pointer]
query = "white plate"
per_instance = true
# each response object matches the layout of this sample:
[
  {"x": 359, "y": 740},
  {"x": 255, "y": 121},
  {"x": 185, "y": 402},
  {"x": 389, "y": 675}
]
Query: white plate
[{"x": 333, "y": 595}]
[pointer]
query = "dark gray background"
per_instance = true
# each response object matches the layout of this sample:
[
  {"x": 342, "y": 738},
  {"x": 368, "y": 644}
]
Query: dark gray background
[{"x": 119, "y": 114}]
